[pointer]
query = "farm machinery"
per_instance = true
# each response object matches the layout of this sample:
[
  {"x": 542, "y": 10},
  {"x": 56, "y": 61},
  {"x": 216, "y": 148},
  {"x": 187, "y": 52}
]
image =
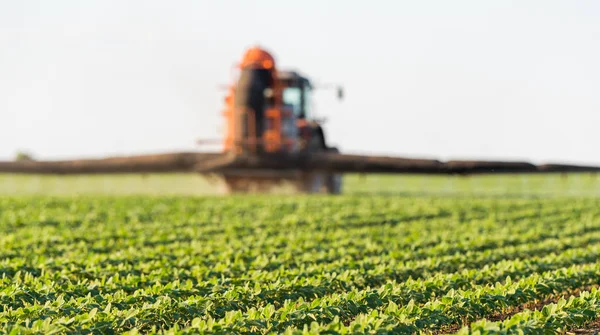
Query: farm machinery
[
  {"x": 269, "y": 117},
  {"x": 273, "y": 138}
]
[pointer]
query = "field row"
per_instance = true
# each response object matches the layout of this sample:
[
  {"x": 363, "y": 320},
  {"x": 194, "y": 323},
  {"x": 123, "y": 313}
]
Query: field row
[{"x": 321, "y": 264}]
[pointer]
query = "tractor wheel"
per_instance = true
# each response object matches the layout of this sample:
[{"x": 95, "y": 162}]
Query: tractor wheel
[
  {"x": 311, "y": 183},
  {"x": 334, "y": 180},
  {"x": 321, "y": 181}
]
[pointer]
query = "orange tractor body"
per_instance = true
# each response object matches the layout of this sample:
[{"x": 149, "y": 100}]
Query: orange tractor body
[{"x": 268, "y": 111}]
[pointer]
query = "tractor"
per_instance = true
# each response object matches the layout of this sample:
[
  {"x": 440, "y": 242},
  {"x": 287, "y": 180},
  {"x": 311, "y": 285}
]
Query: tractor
[{"x": 268, "y": 112}]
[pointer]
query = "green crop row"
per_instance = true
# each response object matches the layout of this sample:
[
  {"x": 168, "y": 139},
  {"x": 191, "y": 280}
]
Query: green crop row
[
  {"x": 576, "y": 311},
  {"x": 348, "y": 264}
]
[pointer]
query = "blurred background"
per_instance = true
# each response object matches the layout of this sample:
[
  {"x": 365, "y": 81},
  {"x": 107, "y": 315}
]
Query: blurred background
[{"x": 435, "y": 79}]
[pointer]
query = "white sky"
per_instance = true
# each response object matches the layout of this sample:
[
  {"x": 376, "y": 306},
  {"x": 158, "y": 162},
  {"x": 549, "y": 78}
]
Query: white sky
[{"x": 441, "y": 79}]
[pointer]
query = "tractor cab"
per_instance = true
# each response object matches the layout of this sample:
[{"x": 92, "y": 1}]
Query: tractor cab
[
  {"x": 296, "y": 95},
  {"x": 297, "y": 92}
]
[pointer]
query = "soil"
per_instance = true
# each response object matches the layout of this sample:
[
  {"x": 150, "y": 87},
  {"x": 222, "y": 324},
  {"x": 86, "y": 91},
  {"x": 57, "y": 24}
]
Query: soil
[{"x": 591, "y": 329}]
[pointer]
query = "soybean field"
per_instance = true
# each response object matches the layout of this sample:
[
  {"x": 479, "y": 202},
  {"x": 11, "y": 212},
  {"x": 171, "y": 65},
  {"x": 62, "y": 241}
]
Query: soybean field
[{"x": 441, "y": 256}]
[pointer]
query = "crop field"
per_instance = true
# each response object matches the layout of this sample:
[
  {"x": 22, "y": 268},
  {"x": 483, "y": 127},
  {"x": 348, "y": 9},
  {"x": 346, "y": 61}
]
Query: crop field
[
  {"x": 191, "y": 184},
  {"x": 394, "y": 255}
]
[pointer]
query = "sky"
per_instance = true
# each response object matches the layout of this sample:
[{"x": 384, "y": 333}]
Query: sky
[{"x": 517, "y": 80}]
